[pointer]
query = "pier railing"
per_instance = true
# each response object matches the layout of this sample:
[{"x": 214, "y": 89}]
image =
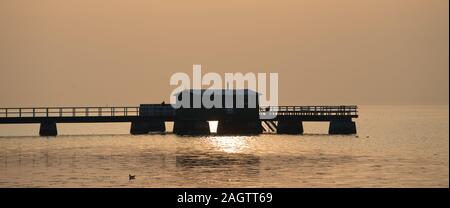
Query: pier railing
[
  {"x": 342, "y": 110},
  {"x": 155, "y": 110},
  {"x": 68, "y": 112}
]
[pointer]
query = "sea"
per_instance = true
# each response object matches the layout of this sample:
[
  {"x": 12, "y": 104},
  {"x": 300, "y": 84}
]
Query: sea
[{"x": 396, "y": 146}]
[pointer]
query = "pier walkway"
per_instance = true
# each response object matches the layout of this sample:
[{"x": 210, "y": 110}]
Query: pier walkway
[{"x": 151, "y": 117}]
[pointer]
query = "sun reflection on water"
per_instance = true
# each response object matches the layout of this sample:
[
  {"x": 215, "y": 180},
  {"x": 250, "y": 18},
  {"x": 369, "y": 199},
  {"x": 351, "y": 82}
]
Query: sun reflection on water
[{"x": 230, "y": 144}]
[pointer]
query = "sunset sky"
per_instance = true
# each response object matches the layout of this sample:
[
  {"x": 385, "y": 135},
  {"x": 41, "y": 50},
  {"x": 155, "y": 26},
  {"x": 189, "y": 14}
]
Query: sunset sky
[{"x": 111, "y": 52}]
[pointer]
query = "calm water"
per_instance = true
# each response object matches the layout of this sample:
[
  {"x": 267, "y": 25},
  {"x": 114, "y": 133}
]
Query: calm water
[{"x": 396, "y": 146}]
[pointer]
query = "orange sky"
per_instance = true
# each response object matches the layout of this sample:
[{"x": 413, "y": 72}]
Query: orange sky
[{"x": 98, "y": 52}]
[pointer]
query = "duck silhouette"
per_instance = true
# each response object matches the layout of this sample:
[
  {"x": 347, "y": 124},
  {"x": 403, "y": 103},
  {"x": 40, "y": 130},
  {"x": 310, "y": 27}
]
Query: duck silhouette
[{"x": 131, "y": 177}]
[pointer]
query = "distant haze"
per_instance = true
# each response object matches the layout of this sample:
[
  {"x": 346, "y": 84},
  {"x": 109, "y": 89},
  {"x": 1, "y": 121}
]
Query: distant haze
[{"x": 110, "y": 52}]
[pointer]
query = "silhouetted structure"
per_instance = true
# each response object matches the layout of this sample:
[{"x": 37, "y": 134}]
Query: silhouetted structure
[
  {"x": 235, "y": 118},
  {"x": 237, "y": 113}
]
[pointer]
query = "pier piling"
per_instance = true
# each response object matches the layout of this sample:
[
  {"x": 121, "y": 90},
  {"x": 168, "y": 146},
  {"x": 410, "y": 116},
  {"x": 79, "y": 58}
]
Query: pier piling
[
  {"x": 48, "y": 128},
  {"x": 342, "y": 126},
  {"x": 191, "y": 127},
  {"x": 289, "y": 127},
  {"x": 144, "y": 127},
  {"x": 239, "y": 127}
]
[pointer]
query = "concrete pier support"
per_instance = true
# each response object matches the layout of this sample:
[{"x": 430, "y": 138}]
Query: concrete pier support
[
  {"x": 145, "y": 127},
  {"x": 289, "y": 127},
  {"x": 189, "y": 127},
  {"x": 342, "y": 126},
  {"x": 48, "y": 128},
  {"x": 239, "y": 127}
]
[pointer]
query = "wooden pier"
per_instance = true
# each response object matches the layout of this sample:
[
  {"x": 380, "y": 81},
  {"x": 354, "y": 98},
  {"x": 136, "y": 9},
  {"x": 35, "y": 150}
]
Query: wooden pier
[{"x": 151, "y": 117}]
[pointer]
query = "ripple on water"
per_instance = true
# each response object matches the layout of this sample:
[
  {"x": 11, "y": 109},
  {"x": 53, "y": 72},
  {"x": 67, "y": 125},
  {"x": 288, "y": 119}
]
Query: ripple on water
[{"x": 394, "y": 156}]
